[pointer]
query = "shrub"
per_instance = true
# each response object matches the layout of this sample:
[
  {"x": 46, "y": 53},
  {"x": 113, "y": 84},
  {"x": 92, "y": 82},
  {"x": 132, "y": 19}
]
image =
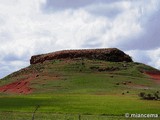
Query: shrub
[
  {"x": 124, "y": 83},
  {"x": 117, "y": 83},
  {"x": 142, "y": 94},
  {"x": 156, "y": 96},
  {"x": 149, "y": 96}
]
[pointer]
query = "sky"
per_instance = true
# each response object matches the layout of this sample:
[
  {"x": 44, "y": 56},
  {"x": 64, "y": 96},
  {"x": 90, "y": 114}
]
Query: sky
[{"x": 30, "y": 27}]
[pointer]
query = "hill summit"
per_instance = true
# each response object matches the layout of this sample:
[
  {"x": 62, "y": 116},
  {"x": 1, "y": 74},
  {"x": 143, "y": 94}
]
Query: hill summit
[{"x": 110, "y": 54}]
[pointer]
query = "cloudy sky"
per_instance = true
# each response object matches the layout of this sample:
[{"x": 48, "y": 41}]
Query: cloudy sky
[{"x": 29, "y": 27}]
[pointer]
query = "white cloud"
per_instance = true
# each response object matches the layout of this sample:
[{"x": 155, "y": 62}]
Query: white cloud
[
  {"x": 27, "y": 28},
  {"x": 155, "y": 56},
  {"x": 8, "y": 67},
  {"x": 140, "y": 56}
]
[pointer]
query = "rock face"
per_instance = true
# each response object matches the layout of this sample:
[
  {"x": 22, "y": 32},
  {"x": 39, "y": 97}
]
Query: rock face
[{"x": 110, "y": 54}]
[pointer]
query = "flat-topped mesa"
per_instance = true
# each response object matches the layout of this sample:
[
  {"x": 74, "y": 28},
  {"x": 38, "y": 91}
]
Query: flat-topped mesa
[{"x": 110, "y": 54}]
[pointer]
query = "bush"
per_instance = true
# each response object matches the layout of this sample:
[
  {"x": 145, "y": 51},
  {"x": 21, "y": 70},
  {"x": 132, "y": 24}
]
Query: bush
[
  {"x": 141, "y": 94},
  {"x": 149, "y": 96},
  {"x": 117, "y": 83},
  {"x": 156, "y": 96}
]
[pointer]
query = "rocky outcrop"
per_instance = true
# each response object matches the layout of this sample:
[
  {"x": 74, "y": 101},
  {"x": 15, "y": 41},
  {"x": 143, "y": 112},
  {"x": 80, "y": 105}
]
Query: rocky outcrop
[{"x": 110, "y": 54}]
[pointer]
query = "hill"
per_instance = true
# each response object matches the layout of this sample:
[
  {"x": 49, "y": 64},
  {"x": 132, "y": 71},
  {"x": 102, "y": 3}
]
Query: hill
[{"x": 81, "y": 82}]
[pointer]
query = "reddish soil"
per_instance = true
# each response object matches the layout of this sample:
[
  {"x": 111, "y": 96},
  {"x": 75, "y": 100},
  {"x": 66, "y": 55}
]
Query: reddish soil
[
  {"x": 154, "y": 75},
  {"x": 20, "y": 87}
]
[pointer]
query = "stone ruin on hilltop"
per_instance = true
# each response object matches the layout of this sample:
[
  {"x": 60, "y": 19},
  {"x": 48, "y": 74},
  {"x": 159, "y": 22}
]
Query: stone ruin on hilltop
[{"x": 110, "y": 54}]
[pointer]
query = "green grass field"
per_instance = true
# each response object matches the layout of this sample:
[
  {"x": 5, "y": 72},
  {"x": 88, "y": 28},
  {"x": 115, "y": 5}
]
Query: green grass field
[
  {"x": 77, "y": 89},
  {"x": 98, "y": 105}
]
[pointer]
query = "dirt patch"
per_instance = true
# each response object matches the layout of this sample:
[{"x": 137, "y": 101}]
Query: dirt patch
[
  {"x": 138, "y": 86},
  {"x": 154, "y": 75},
  {"x": 21, "y": 87}
]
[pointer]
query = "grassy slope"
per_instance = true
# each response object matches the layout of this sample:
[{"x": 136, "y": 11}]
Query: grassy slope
[{"x": 72, "y": 87}]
